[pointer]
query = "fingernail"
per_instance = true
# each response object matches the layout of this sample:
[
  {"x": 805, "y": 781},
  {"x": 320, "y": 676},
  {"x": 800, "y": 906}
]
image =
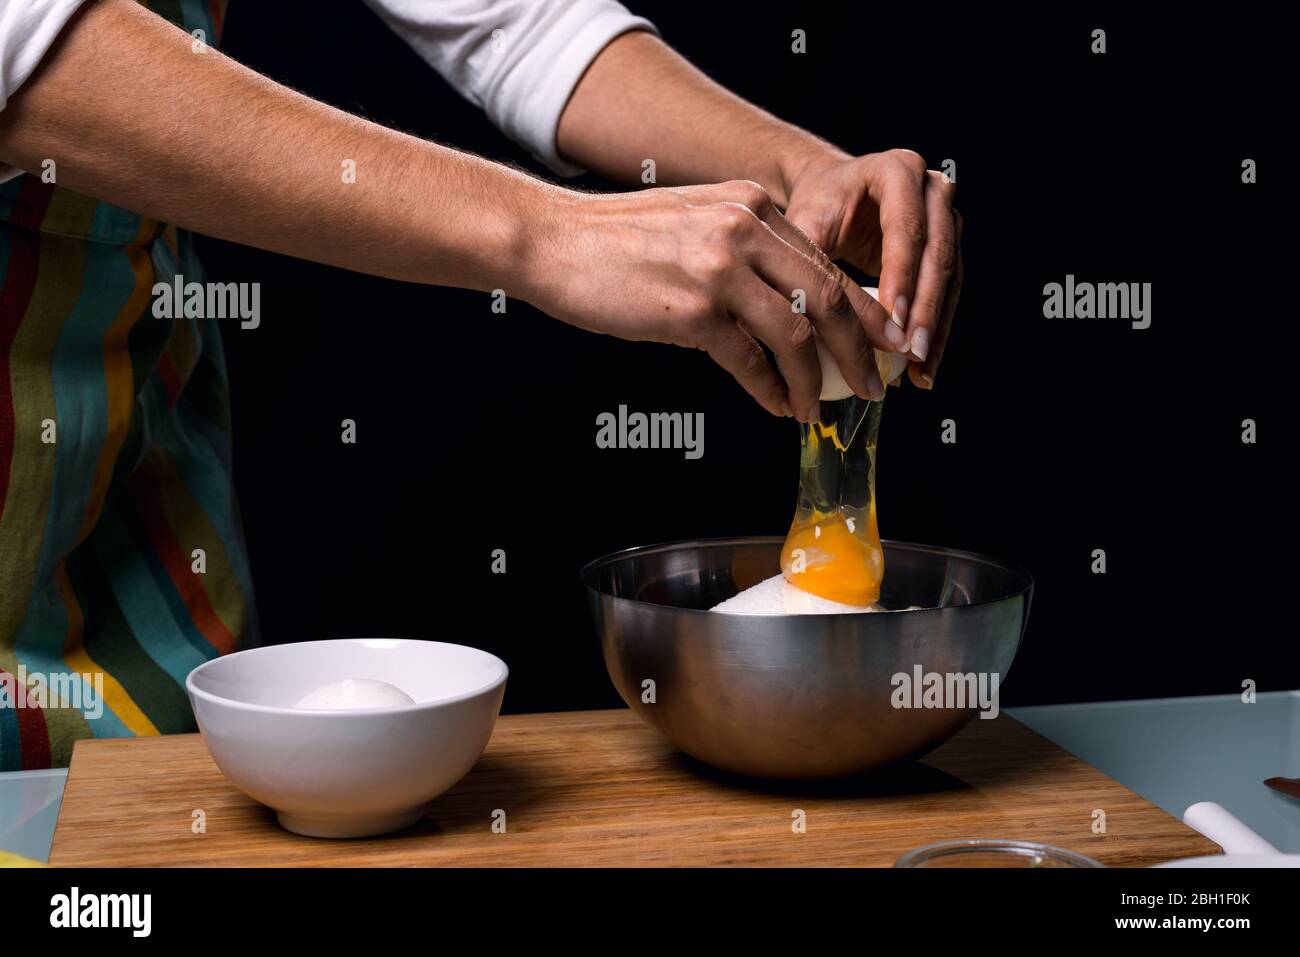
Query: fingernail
[
  {"x": 786, "y": 410},
  {"x": 928, "y": 380},
  {"x": 900, "y": 312},
  {"x": 896, "y": 330},
  {"x": 920, "y": 344},
  {"x": 815, "y": 412}
]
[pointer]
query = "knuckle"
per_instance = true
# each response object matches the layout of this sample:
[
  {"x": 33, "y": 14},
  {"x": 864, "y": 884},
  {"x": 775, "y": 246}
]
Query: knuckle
[
  {"x": 925, "y": 310},
  {"x": 714, "y": 262},
  {"x": 910, "y": 226},
  {"x": 749, "y": 194},
  {"x": 834, "y": 297},
  {"x": 734, "y": 219},
  {"x": 943, "y": 253},
  {"x": 799, "y": 332},
  {"x": 911, "y": 159},
  {"x": 752, "y": 364}
]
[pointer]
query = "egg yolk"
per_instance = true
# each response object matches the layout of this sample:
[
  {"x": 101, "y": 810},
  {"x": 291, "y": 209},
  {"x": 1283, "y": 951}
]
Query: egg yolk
[
  {"x": 833, "y": 546},
  {"x": 828, "y": 557}
]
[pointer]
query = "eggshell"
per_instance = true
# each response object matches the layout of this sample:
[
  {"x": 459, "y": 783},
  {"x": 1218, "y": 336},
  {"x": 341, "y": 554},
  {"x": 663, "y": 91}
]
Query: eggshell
[
  {"x": 352, "y": 694},
  {"x": 890, "y": 364}
]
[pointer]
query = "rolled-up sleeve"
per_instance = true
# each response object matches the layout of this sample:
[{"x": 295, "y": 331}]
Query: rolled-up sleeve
[
  {"x": 28, "y": 28},
  {"x": 518, "y": 60}
]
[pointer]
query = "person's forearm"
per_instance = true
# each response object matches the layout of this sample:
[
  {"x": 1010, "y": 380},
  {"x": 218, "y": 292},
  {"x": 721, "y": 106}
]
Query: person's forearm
[
  {"x": 641, "y": 100},
  {"x": 132, "y": 115}
]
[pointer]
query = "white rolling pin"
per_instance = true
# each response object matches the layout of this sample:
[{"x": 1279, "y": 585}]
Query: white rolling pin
[{"x": 1226, "y": 830}]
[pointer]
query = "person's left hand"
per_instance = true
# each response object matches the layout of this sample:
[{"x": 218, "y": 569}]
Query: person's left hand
[{"x": 891, "y": 217}]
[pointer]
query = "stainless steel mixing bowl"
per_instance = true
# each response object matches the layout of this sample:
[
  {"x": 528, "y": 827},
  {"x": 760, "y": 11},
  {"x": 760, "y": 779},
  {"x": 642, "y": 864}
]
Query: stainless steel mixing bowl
[{"x": 798, "y": 696}]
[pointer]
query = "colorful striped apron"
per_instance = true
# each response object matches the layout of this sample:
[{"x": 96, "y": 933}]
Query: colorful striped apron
[{"x": 115, "y": 468}]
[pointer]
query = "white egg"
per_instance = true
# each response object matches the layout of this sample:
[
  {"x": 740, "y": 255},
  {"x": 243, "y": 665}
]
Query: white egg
[
  {"x": 890, "y": 365},
  {"x": 352, "y": 694}
]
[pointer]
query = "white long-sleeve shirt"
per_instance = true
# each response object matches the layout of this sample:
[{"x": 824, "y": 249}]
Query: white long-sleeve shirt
[{"x": 518, "y": 60}]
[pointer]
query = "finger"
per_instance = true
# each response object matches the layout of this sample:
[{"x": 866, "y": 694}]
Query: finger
[
  {"x": 842, "y": 331},
  {"x": 899, "y": 192},
  {"x": 766, "y": 315},
  {"x": 788, "y": 273},
  {"x": 938, "y": 259},
  {"x": 923, "y": 374},
  {"x": 871, "y": 316},
  {"x": 736, "y": 351},
  {"x": 836, "y": 306},
  {"x": 792, "y": 234},
  {"x": 848, "y": 321}
]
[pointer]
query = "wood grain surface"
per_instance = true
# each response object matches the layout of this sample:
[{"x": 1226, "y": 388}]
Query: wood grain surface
[{"x": 598, "y": 788}]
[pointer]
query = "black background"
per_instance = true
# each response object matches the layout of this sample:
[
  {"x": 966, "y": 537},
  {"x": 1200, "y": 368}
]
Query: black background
[
  {"x": 476, "y": 431},
  {"x": 596, "y": 906}
]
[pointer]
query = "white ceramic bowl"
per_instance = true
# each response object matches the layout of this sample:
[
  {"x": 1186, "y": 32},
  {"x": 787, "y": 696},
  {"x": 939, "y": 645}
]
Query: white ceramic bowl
[{"x": 347, "y": 773}]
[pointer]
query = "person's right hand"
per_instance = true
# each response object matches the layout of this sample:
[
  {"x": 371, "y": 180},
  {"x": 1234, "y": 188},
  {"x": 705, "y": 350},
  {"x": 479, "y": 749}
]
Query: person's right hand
[{"x": 714, "y": 268}]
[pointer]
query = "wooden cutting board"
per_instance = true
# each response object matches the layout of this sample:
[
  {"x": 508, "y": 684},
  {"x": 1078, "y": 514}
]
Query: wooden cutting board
[{"x": 600, "y": 788}]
